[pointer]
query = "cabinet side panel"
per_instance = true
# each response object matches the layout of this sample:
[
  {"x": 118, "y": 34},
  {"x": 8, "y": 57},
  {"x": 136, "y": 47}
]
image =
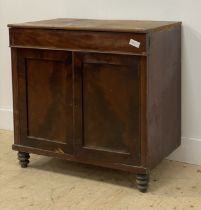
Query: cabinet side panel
[
  {"x": 164, "y": 94},
  {"x": 15, "y": 96}
]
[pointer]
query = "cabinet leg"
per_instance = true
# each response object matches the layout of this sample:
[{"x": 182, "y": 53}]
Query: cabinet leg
[
  {"x": 23, "y": 158},
  {"x": 142, "y": 181}
]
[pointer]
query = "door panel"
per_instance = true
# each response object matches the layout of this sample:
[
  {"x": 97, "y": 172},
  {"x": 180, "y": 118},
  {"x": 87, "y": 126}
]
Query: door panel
[
  {"x": 46, "y": 99},
  {"x": 110, "y": 107}
]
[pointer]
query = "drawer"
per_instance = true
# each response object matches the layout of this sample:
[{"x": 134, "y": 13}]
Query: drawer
[{"x": 79, "y": 40}]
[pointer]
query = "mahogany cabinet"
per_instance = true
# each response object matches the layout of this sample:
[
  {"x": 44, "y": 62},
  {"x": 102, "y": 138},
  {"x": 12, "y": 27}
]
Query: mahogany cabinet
[{"x": 100, "y": 92}]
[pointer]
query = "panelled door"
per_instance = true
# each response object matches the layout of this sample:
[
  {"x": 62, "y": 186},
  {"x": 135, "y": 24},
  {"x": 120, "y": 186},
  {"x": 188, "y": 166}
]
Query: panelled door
[
  {"x": 45, "y": 97},
  {"x": 107, "y": 107}
]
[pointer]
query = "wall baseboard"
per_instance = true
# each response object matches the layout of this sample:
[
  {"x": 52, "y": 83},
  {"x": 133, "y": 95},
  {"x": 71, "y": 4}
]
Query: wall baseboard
[
  {"x": 188, "y": 152},
  {"x": 6, "y": 119}
]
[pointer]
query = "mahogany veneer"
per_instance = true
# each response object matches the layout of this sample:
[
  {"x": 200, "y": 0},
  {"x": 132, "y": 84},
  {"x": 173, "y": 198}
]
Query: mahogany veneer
[{"x": 83, "y": 93}]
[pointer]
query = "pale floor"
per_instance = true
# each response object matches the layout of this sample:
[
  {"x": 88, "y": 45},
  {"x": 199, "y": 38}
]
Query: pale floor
[{"x": 52, "y": 184}]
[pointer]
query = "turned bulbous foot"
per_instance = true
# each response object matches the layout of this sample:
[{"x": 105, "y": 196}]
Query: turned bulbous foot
[
  {"x": 23, "y": 158},
  {"x": 142, "y": 181}
]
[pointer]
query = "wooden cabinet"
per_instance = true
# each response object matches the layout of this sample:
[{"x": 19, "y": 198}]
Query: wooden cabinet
[{"x": 101, "y": 92}]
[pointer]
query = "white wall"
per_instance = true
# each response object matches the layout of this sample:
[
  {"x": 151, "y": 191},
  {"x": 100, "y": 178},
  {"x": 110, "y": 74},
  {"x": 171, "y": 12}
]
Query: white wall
[{"x": 184, "y": 10}]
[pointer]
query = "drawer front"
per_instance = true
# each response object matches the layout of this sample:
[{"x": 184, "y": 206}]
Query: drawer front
[{"x": 79, "y": 40}]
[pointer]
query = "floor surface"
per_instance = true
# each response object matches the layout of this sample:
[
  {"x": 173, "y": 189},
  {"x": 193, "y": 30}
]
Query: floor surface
[{"x": 52, "y": 184}]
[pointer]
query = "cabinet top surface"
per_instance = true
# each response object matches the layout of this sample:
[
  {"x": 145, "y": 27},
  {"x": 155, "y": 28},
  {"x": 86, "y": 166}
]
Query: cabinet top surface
[{"x": 140, "y": 26}]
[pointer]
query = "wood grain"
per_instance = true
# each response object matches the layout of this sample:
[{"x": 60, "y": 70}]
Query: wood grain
[
  {"x": 110, "y": 107},
  {"x": 77, "y": 40},
  {"x": 138, "y": 26},
  {"x": 82, "y": 93},
  {"x": 45, "y": 99},
  {"x": 164, "y": 95}
]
